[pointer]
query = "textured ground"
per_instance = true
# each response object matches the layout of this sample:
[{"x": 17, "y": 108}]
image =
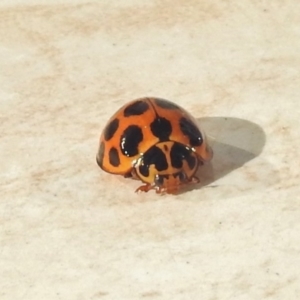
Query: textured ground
[{"x": 70, "y": 231}]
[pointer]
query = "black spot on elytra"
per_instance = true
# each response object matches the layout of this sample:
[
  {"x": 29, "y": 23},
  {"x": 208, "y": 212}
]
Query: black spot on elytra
[
  {"x": 161, "y": 128},
  {"x": 154, "y": 156},
  {"x": 114, "y": 158},
  {"x": 130, "y": 140},
  {"x": 166, "y": 104},
  {"x": 111, "y": 129},
  {"x": 179, "y": 153},
  {"x": 190, "y": 130},
  {"x": 135, "y": 109},
  {"x": 100, "y": 155}
]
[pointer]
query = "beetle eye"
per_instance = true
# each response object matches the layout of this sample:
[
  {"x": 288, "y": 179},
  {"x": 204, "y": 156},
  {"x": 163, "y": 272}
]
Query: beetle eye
[
  {"x": 182, "y": 176},
  {"x": 159, "y": 180}
]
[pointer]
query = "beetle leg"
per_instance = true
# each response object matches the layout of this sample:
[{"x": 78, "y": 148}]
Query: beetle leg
[{"x": 144, "y": 188}]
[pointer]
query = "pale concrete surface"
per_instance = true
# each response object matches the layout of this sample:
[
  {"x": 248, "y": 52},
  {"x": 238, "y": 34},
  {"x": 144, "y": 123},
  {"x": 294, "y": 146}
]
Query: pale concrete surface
[{"x": 69, "y": 230}]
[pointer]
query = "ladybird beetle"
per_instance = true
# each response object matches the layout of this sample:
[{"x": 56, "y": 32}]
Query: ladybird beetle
[{"x": 156, "y": 141}]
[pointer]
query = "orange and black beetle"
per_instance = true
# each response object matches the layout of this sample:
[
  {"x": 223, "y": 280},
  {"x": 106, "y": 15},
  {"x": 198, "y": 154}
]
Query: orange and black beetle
[{"x": 156, "y": 141}]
